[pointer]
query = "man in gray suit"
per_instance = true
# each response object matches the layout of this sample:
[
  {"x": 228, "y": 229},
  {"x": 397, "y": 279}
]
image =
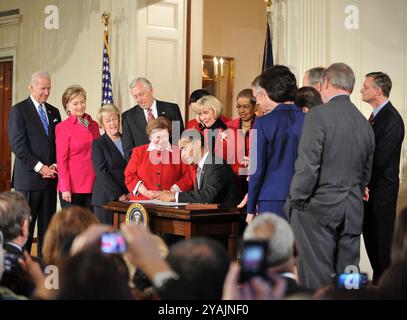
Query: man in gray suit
[{"x": 325, "y": 205}]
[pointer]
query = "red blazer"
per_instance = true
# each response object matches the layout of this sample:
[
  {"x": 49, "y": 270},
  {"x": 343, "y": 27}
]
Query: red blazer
[
  {"x": 193, "y": 124},
  {"x": 169, "y": 169},
  {"x": 74, "y": 154},
  {"x": 242, "y": 142}
]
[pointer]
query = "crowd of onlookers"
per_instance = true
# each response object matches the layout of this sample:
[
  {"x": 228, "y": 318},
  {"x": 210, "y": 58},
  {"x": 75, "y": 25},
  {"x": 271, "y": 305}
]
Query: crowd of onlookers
[{"x": 76, "y": 267}]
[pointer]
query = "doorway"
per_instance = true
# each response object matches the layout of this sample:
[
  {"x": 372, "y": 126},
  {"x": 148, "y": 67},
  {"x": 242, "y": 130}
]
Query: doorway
[{"x": 6, "y": 100}]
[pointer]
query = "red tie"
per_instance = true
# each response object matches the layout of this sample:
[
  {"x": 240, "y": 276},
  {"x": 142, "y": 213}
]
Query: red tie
[
  {"x": 371, "y": 118},
  {"x": 150, "y": 115}
]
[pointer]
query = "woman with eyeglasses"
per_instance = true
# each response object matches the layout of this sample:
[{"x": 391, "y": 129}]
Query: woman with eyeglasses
[
  {"x": 156, "y": 166},
  {"x": 246, "y": 108}
]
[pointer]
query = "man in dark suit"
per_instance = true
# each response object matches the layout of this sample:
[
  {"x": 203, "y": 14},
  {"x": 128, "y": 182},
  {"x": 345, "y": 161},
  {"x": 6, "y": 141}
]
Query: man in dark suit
[
  {"x": 147, "y": 108},
  {"x": 215, "y": 180},
  {"x": 14, "y": 224},
  {"x": 325, "y": 205},
  {"x": 380, "y": 207},
  {"x": 31, "y": 131}
]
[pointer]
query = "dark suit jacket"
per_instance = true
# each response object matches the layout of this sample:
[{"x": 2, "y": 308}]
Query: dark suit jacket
[
  {"x": 218, "y": 185},
  {"x": 334, "y": 162},
  {"x": 109, "y": 165},
  {"x": 388, "y": 127},
  {"x": 134, "y": 125},
  {"x": 273, "y": 155},
  {"x": 293, "y": 288},
  {"x": 31, "y": 144}
]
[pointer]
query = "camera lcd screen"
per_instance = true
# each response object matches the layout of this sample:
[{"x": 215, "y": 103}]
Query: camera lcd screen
[
  {"x": 351, "y": 280},
  {"x": 252, "y": 259},
  {"x": 113, "y": 243}
]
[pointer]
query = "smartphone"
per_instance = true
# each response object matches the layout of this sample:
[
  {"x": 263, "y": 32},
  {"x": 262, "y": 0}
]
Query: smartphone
[
  {"x": 113, "y": 242},
  {"x": 254, "y": 259},
  {"x": 351, "y": 280}
]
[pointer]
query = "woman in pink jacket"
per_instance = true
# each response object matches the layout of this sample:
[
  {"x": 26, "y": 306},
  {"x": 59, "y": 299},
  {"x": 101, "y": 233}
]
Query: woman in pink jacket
[{"x": 74, "y": 137}]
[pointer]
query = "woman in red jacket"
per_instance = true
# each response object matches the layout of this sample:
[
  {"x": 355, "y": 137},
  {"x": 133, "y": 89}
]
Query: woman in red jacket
[
  {"x": 73, "y": 139},
  {"x": 246, "y": 108},
  {"x": 156, "y": 166}
]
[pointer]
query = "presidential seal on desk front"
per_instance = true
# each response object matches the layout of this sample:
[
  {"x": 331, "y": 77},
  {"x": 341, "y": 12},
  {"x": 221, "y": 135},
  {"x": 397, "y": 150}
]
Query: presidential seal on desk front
[{"x": 137, "y": 214}]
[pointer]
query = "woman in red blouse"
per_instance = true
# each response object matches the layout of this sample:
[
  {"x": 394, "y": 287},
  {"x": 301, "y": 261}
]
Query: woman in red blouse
[
  {"x": 156, "y": 166},
  {"x": 246, "y": 108}
]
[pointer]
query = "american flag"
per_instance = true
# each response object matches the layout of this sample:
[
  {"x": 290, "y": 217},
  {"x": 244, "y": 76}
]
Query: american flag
[
  {"x": 268, "y": 60},
  {"x": 107, "y": 94}
]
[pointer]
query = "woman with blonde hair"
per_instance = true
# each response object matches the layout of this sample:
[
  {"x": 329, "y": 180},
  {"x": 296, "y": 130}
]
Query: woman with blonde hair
[
  {"x": 109, "y": 164},
  {"x": 74, "y": 137}
]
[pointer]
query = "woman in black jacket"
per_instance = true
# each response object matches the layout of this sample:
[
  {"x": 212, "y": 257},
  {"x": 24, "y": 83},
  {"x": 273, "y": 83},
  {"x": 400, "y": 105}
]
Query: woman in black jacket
[{"x": 109, "y": 164}]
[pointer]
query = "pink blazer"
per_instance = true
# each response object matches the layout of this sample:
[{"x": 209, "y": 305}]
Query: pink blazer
[{"x": 74, "y": 154}]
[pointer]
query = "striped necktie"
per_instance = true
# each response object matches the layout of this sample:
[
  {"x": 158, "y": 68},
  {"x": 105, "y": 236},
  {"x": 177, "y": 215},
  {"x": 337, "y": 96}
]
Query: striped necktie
[
  {"x": 370, "y": 120},
  {"x": 150, "y": 115},
  {"x": 43, "y": 117}
]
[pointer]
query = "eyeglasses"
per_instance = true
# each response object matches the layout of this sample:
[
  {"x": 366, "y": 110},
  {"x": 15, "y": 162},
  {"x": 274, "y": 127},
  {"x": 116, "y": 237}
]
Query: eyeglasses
[
  {"x": 245, "y": 106},
  {"x": 258, "y": 93}
]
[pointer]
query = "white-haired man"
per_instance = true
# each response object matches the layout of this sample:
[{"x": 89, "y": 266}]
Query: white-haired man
[{"x": 31, "y": 131}]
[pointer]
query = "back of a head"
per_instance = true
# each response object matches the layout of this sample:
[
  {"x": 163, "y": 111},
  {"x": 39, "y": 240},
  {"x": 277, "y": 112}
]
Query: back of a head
[
  {"x": 393, "y": 282},
  {"x": 307, "y": 97},
  {"x": 92, "y": 275},
  {"x": 271, "y": 227},
  {"x": 13, "y": 211},
  {"x": 65, "y": 225},
  {"x": 399, "y": 243},
  {"x": 340, "y": 76},
  {"x": 315, "y": 75},
  {"x": 279, "y": 83},
  {"x": 198, "y": 94},
  {"x": 202, "y": 262}
]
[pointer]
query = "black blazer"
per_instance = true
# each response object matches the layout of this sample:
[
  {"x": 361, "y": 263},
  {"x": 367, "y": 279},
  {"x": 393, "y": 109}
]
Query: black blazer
[
  {"x": 31, "y": 144},
  {"x": 218, "y": 185},
  {"x": 109, "y": 165},
  {"x": 134, "y": 125},
  {"x": 388, "y": 127}
]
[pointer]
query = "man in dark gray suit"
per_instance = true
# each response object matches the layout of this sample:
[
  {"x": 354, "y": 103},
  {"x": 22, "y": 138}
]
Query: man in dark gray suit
[
  {"x": 148, "y": 108},
  {"x": 325, "y": 205},
  {"x": 31, "y": 131}
]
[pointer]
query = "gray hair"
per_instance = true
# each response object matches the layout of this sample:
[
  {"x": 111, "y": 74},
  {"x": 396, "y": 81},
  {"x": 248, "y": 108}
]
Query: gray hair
[
  {"x": 13, "y": 211},
  {"x": 341, "y": 76},
  {"x": 144, "y": 81},
  {"x": 279, "y": 235},
  {"x": 315, "y": 75},
  {"x": 39, "y": 74}
]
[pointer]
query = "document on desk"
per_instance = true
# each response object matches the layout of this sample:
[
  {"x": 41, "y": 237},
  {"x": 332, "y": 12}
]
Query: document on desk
[{"x": 159, "y": 203}]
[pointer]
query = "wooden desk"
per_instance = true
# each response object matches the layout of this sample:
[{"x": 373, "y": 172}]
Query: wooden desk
[{"x": 187, "y": 222}]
